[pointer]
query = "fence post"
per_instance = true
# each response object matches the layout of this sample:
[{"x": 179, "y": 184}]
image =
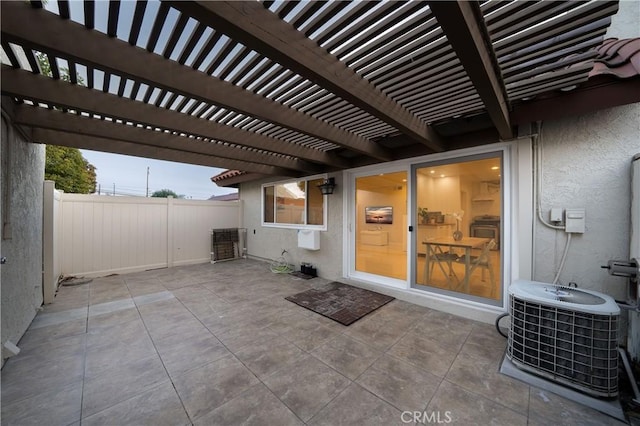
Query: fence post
[
  {"x": 49, "y": 280},
  {"x": 170, "y": 228}
]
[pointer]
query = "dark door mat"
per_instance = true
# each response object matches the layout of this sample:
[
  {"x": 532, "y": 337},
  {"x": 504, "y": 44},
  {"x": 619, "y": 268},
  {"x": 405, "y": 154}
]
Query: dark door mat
[{"x": 340, "y": 302}]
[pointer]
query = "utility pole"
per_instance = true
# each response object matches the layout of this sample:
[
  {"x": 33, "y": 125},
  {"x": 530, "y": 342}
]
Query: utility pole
[
  {"x": 147, "y": 181},
  {"x": 98, "y": 189},
  {"x": 114, "y": 189}
]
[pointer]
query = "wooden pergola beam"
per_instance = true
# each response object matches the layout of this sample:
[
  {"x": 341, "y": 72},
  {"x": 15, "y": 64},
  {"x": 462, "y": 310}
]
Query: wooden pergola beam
[
  {"x": 56, "y": 92},
  {"x": 71, "y": 123},
  {"x": 259, "y": 29},
  {"x": 463, "y": 24},
  {"x": 95, "y": 143},
  {"x": 47, "y": 32}
]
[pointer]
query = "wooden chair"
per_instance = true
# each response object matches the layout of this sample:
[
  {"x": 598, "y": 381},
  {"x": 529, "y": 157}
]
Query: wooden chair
[{"x": 483, "y": 261}]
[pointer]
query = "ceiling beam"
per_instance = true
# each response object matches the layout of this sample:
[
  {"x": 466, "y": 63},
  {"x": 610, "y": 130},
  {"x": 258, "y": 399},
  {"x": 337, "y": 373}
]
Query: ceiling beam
[
  {"x": 94, "y": 143},
  {"x": 259, "y": 29},
  {"x": 71, "y": 123},
  {"x": 47, "y": 32},
  {"x": 26, "y": 85},
  {"x": 463, "y": 24}
]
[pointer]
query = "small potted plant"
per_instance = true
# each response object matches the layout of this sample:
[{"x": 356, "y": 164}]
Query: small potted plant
[{"x": 423, "y": 212}]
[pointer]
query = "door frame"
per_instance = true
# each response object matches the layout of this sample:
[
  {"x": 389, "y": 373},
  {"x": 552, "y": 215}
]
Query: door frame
[{"x": 517, "y": 226}]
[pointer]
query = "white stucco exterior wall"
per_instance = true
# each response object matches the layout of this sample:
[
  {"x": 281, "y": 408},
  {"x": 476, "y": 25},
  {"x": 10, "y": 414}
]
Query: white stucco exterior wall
[
  {"x": 587, "y": 163},
  {"x": 268, "y": 242},
  {"x": 22, "y": 190}
]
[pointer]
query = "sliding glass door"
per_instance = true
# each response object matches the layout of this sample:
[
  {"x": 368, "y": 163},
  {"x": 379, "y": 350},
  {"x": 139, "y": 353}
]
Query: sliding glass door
[{"x": 458, "y": 226}]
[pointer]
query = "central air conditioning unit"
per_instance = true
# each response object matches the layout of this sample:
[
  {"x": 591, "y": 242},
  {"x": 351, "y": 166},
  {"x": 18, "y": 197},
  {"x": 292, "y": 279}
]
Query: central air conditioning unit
[{"x": 567, "y": 335}]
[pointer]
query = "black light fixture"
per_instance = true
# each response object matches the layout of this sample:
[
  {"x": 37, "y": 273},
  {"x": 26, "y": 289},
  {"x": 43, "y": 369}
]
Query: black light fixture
[{"x": 327, "y": 186}]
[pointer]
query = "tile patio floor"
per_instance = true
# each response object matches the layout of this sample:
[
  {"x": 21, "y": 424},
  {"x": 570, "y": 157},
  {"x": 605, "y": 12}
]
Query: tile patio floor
[{"x": 219, "y": 345}]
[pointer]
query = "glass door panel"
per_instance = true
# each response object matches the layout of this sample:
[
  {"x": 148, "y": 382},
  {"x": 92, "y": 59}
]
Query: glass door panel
[
  {"x": 458, "y": 227},
  {"x": 381, "y": 225}
]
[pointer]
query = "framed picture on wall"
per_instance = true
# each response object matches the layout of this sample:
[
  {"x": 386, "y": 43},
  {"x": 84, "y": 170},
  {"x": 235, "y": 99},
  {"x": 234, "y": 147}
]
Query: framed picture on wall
[{"x": 376, "y": 214}]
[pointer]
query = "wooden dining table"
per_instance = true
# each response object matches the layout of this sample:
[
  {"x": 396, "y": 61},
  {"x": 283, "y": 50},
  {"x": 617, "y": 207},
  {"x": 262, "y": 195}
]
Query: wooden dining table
[{"x": 439, "y": 246}]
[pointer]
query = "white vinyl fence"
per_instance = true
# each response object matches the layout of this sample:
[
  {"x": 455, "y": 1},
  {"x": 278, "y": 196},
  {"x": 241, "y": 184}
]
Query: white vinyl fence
[{"x": 93, "y": 235}]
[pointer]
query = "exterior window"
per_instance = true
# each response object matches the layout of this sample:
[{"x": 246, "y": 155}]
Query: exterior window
[{"x": 296, "y": 204}]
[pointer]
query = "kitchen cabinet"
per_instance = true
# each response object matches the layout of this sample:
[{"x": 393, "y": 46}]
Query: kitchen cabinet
[{"x": 433, "y": 230}]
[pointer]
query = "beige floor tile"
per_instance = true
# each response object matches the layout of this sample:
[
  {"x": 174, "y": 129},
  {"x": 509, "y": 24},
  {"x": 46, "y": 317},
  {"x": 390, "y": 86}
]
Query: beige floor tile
[
  {"x": 482, "y": 377},
  {"x": 239, "y": 338},
  {"x": 403, "y": 385},
  {"x": 466, "y": 408},
  {"x": 356, "y": 406},
  {"x": 59, "y": 406},
  {"x": 256, "y": 406},
  {"x": 268, "y": 357},
  {"x": 191, "y": 353},
  {"x": 206, "y": 388},
  {"x": 38, "y": 336},
  {"x": 158, "y": 407},
  {"x": 346, "y": 355},
  {"x": 425, "y": 353},
  {"x": 24, "y": 380},
  {"x": 306, "y": 386},
  {"x": 105, "y": 359},
  {"x": 375, "y": 333},
  {"x": 105, "y": 321},
  {"x": 121, "y": 383}
]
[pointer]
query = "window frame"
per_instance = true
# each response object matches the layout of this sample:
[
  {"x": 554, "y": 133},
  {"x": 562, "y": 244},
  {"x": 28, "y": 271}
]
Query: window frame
[{"x": 275, "y": 224}]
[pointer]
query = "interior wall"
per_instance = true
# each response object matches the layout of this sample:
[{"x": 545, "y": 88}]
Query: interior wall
[
  {"x": 586, "y": 163},
  {"x": 396, "y": 198},
  {"x": 267, "y": 243},
  {"x": 22, "y": 191}
]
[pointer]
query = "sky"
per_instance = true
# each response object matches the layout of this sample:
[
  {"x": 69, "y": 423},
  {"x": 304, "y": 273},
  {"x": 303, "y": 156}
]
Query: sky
[{"x": 129, "y": 174}]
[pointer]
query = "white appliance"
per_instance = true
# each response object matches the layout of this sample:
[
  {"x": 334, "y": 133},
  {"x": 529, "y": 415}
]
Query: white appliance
[{"x": 566, "y": 335}]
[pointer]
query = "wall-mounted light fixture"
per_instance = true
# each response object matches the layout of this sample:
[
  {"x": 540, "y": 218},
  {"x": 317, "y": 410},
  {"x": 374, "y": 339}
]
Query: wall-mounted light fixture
[{"x": 327, "y": 186}]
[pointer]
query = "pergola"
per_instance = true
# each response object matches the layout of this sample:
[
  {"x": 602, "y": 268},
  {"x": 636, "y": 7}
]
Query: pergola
[{"x": 288, "y": 88}]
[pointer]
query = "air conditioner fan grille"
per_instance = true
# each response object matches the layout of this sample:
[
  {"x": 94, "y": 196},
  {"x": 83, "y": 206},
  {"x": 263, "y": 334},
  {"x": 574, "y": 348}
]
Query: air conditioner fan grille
[{"x": 576, "y": 348}]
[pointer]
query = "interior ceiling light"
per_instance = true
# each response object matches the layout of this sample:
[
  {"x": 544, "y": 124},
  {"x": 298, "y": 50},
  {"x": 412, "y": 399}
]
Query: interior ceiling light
[
  {"x": 432, "y": 171},
  {"x": 495, "y": 168},
  {"x": 441, "y": 175}
]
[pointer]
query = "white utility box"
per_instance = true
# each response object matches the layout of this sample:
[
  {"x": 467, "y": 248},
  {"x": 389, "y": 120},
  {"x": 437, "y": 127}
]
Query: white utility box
[
  {"x": 574, "y": 221},
  {"x": 309, "y": 239}
]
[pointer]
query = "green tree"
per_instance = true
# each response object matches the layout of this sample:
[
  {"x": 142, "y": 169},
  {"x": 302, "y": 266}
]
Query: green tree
[
  {"x": 70, "y": 171},
  {"x": 164, "y": 193}
]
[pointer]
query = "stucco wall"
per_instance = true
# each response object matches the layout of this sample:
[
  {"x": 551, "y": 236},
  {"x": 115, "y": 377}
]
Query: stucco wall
[
  {"x": 268, "y": 243},
  {"x": 587, "y": 163},
  {"x": 21, "y": 279}
]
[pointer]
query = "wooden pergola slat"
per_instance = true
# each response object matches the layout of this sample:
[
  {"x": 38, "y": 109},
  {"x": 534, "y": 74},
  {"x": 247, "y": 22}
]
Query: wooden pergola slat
[
  {"x": 23, "y": 84},
  {"x": 72, "y": 123},
  {"x": 262, "y": 31},
  {"x": 140, "y": 149},
  {"x": 69, "y": 39}
]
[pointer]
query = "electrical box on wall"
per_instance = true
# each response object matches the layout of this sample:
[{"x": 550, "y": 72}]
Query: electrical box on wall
[
  {"x": 574, "y": 221},
  {"x": 309, "y": 239}
]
